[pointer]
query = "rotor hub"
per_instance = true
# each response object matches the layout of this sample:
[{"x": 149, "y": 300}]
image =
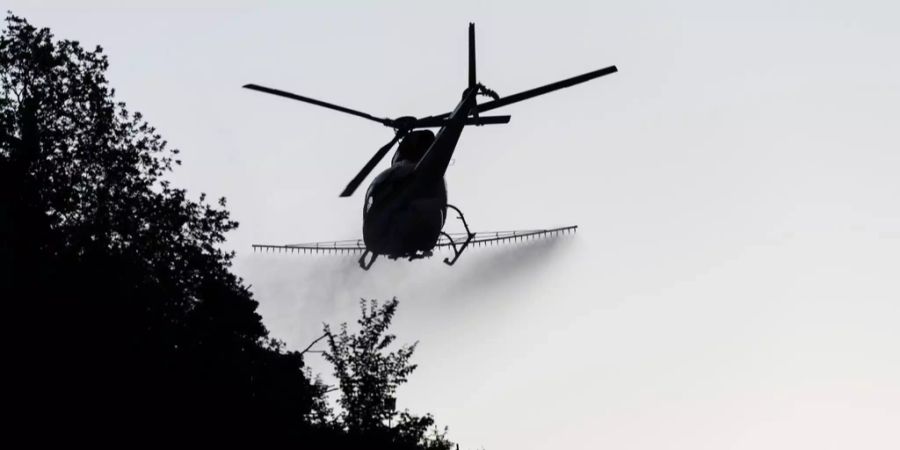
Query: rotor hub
[{"x": 404, "y": 123}]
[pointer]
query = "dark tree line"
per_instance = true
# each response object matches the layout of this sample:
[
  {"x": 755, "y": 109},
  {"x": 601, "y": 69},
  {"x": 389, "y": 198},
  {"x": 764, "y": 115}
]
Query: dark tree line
[{"x": 123, "y": 322}]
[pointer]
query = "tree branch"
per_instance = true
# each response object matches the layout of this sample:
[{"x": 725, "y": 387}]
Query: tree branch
[{"x": 314, "y": 343}]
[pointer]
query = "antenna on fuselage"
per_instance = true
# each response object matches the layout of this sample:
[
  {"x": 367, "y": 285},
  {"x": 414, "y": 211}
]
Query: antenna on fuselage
[{"x": 473, "y": 80}]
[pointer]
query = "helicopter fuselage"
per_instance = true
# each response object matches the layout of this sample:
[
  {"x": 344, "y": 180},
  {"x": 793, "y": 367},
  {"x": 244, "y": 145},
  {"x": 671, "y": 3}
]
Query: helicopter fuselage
[
  {"x": 403, "y": 216},
  {"x": 406, "y": 205}
]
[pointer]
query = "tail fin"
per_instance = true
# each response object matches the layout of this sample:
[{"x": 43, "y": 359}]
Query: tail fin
[{"x": 472, "y": 78}]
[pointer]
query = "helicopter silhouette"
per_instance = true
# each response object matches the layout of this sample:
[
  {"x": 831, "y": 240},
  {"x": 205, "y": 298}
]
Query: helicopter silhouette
[{"x": 405, "y": 206}]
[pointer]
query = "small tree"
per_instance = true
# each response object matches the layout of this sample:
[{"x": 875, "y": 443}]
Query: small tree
[{"x": 369, "y": 374}]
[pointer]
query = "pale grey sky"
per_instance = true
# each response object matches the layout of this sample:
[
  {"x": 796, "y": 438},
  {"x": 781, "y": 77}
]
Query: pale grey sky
[{"x": 734, "y": 283}]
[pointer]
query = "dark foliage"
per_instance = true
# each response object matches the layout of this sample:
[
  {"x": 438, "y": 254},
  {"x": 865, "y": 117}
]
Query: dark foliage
[{"x": 123, "y": 317}]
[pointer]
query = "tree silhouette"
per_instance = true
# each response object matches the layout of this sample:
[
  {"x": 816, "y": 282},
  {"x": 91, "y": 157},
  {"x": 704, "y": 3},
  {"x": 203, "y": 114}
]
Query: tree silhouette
[
  {"x": 368, "y": 375},
  {"x": 122, "y": 315}
]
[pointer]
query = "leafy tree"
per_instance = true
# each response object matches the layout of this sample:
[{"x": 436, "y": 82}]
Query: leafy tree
[
  {"x": 115, "y": 278},
  {"x": 368, "y": 375}
]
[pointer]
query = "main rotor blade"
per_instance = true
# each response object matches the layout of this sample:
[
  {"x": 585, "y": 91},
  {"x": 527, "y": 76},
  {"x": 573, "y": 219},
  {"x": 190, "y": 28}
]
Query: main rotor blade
[
  {"x": 525, "y": 95},
  {"x": 434, "y": 122},
  {"x": 358, "y": 179},
  {"x": 473, "y": 78},
  {"x": 342, "y": 109},
  {"x": 531, "y": 93}
]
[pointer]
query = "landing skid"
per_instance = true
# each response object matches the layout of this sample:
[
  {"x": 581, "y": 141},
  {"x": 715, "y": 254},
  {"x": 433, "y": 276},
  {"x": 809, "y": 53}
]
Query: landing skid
[
  {"x": 362, "y": 260},
  {"x": 457, "y": 251}
]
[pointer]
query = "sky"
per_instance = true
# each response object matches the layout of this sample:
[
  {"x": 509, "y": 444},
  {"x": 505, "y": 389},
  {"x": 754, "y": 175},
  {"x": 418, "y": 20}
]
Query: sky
[{"x": 735, "y": 280}]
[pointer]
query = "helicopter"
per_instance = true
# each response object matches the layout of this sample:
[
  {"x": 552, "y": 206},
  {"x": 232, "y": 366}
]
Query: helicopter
[{"x": 405, "y": 206}]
